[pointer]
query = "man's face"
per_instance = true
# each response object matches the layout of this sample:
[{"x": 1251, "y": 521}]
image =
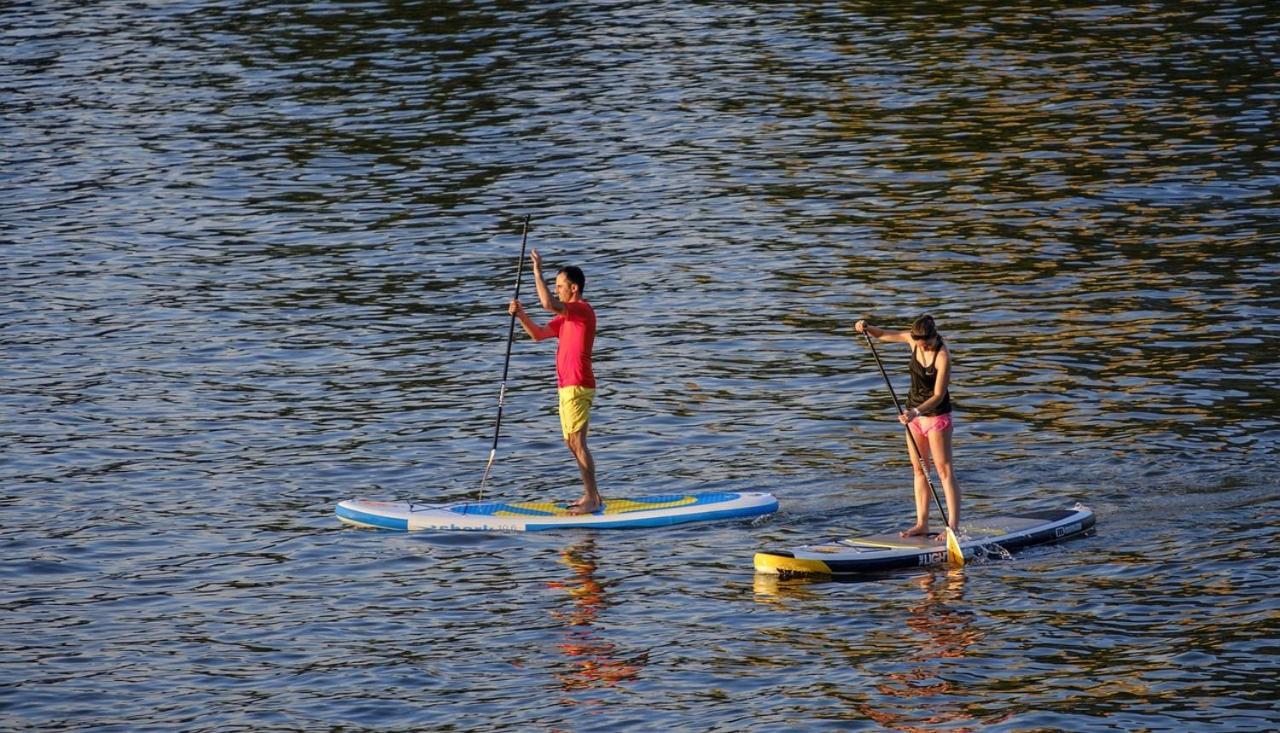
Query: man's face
[{"x": 563, "y": 288}]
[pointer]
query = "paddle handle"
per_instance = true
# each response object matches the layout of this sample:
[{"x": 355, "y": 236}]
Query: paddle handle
[
  {"x": 506, "y": 364},
  {"x": 914, "y": 446},
  {"x": 511, "y": 330}
]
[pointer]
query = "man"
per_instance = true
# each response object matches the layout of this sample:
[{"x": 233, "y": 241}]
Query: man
[{"x": 575, "y": 326}]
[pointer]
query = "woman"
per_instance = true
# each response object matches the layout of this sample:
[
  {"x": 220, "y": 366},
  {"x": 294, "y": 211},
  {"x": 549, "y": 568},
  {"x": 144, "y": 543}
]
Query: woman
[{"x": 928, "y": 414}]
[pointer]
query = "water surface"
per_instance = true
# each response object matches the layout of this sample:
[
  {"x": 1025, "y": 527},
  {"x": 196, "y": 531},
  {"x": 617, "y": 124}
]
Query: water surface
[{"x": 256, "y": 259}]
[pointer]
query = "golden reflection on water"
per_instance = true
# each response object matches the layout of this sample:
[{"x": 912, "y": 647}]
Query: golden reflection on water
[
  {"x": 593, "y": 661},
  {"x": 940, "y": 631},
  {"x": 910, "y": 662}
]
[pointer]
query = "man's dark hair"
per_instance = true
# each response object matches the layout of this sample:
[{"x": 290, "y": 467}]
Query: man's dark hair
[{"x": 575, "y": 276}]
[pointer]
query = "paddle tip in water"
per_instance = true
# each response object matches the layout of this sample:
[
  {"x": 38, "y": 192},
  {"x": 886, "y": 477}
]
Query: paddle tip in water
[{"x": 954, "y": 553}]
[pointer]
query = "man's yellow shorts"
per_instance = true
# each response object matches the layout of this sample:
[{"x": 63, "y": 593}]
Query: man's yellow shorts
[{"x": 575, "y": 408}]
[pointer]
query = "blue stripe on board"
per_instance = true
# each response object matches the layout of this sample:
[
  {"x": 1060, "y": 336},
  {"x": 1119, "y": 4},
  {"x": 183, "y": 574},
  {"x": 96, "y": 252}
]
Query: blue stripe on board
[
  {"x": 373, "y": 520},
  {"x": 707, "y": 498},
  {"x": 486, "y": 510}
]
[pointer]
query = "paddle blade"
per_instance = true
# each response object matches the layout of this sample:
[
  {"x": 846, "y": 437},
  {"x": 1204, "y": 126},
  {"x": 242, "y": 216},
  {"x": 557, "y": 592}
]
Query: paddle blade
[{"x": 954, "y": 553}]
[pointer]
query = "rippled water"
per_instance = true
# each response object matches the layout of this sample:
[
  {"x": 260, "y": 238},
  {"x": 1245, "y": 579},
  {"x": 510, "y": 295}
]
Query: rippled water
[{"x": 256, "y": 258}]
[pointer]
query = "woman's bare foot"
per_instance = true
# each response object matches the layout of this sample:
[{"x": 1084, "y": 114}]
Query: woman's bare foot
[{"x": 920, "y": 530}]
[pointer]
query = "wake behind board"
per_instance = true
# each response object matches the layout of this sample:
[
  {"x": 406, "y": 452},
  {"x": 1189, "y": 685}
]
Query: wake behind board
[
  {"x": 522, "y": 516},
  {"x": 888, "y": 551}
]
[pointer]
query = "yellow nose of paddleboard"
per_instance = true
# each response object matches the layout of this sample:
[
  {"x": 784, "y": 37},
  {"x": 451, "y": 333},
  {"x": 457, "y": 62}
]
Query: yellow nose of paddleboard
[{"x": 774, "y": 564}]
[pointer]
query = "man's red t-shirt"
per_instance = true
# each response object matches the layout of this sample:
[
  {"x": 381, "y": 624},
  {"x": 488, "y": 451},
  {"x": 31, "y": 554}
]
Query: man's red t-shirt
[{"x": 576, "y": 330}]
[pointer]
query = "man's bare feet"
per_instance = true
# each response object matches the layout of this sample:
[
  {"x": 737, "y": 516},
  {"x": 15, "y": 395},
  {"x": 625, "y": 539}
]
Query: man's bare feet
[
  {"x": 920, "y": 530},
  {"x": 585, "y": 506}
]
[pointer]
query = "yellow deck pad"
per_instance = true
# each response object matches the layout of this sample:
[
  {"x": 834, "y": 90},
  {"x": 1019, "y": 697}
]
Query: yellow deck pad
[{"x": 611, "y": 506}]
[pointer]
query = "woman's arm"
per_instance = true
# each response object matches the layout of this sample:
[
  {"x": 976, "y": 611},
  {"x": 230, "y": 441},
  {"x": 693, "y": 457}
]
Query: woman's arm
[
  {"x": 943, "y": 365},
  {"x": 882, "y": 334}
]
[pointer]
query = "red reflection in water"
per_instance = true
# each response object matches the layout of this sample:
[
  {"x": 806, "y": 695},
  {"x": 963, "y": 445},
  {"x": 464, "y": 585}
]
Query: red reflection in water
[
  {"x": 946, "y": 632},
  {"x": 595, "y": 661}
]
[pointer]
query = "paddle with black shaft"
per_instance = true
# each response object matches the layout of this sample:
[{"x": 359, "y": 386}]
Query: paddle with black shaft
[
  {"x": 954, "y": 553},
  {"x": 511, "y": 334}
]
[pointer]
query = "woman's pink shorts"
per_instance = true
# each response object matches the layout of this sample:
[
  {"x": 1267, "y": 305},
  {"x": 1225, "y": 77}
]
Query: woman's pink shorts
[{"x": 925, "y": 424}]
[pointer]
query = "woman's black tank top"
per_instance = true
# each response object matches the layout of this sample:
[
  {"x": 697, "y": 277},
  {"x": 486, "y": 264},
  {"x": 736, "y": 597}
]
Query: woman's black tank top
[{"x": 923, "y": 381}]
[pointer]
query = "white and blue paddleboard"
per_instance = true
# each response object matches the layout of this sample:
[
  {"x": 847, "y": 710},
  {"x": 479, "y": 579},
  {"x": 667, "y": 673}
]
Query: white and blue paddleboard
[
  {"x": 521, "y": 516},
  {"x": 856, "y": 555}
]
